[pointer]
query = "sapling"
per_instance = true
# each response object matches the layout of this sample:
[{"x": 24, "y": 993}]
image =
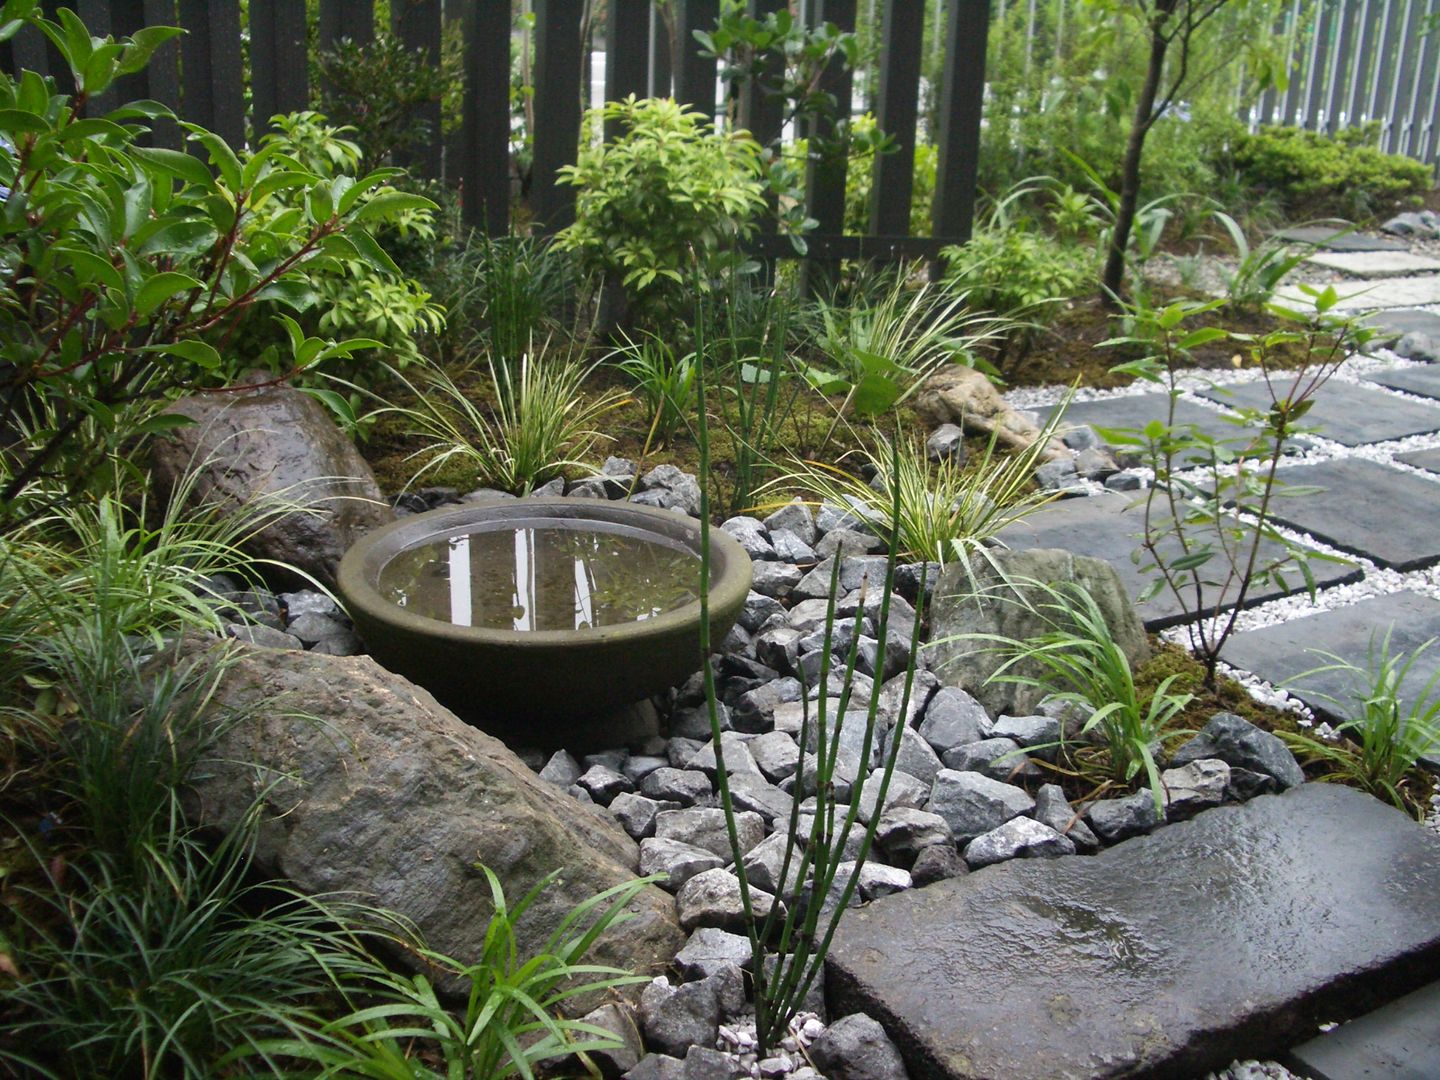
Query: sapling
[{"x": 1208, "y": 538}]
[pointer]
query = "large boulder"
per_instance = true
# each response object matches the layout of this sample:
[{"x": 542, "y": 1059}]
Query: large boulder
[
  {"x": 276, "y": 442},
  {"x": 987, "y": 598},
  {"x": 374, "y": 789}
]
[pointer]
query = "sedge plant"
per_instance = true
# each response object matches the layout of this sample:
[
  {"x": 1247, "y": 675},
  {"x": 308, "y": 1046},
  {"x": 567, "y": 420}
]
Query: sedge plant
[
  {"x": 1391, "y": 723},
  {"x": 802, "y": 922}
]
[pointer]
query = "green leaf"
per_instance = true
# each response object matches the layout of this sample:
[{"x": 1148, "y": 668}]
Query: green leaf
[
  {"x": 144, "y": 43},
  {"x": 197, "y": 352},
  {"x": 387, "y": 204},
  {"x": 161, "y": 288},
  {"x": 221, "y": 156},
  {"x": 19, "y": 121},
  {"x": 336, "y": 403},
  {"x": 186, "y": 167}
]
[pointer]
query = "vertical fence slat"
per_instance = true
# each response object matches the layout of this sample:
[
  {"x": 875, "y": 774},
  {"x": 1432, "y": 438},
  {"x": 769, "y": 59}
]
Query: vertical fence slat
[
  {"x": 353, "y": 19},
  {"x": 416, "y": 23},
  {"x": 825, "y": 173},
  {"x": 1403, "y": 90},
  {"x": 1299, "y": 47},
  {"x": 694, "y": 74},
  {"x": 661, "y": 81},
  {"x": 163, "y": 72},
  {"x": 1423, "y": 114},
  {"x": 962, "y": 96},
  {"x": 1319, "y": 64},
  {"x": 95, "y": 14},
  {"x": 213, "y": 77},
  {"x": 627, "y": 64},
  {"x": 893, "y": 177},
  {"x": 557, "y": 110},
  {"x": 29, "y": 51},
  {"x": 1385, "y": 44},
  {"x": 762, "y": 113},
  {"x": 484, "y": 165},
  {"x": 280, "y": 78},
  {"x": 1344, "y": 66},
  {"x": 1368, "y": 24}
]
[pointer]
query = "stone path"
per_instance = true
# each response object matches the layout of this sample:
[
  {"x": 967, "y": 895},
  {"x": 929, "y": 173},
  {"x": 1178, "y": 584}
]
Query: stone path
[
  {"x": 1227, "y": 936},
  {"x": 1399, "y": 1042}
]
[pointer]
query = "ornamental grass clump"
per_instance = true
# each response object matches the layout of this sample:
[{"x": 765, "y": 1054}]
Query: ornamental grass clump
[{"x": 1391, "y": 723}]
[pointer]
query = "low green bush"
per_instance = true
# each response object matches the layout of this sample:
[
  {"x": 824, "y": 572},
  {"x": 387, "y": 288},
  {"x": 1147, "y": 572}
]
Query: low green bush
[{"x": 1318, "y": 174}]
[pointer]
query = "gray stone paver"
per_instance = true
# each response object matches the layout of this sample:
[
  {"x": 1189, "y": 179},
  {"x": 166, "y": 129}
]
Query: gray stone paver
[
  {"x": 1429, "y": 460},
  {"x": 1165, "y": 956},
  {"x": 1375, "y": 264},
  {"x": 1424, "y": 381},
  {"x": 1280, "y": 652},
  {"x": 1332, "y": 240},
  {"x": 1347, "y": 413},
  {"x": 1397, "y": 322},
  {"x": 1109, "y": 526},
  {"x": 1415, "y": 291},
  {"x": 1399, "y": 1042},
  {"x": 1387, "y": 515},
  {"x": 1137, "y": 410}
]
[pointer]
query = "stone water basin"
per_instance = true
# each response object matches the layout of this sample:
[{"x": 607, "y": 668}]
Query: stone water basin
[{"x": 540, "y": 620}]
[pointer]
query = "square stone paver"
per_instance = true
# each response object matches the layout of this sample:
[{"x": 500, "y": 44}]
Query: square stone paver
[
  {"x": 1429, "y": 460},
  {"x": 1332, "y": 240},
  {"x": 1399, "y": 1042},
  {"x": 1279, "y": 653},
  {"x": 1424, "y": 381},
  {"x": 1349, "y": 414},
  {"x": 1136, "y": 410},
  {"x": 1389, "y": 516},
  {"x": 1395, "y": 323},
  {"x": 1109, "y": 527},
  {"x": 1375, "y": 264},
  {"x": 1364, "y": 295}
]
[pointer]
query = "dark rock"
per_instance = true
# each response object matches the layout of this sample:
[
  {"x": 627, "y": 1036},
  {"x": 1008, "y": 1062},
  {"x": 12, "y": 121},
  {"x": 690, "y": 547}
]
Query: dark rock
[
  {"x": 684, "y": 786},
  {"x": 676, "y": 1018},
  {"x": 874, "y": 879},
  {"x": 1245, "y": 784},
  {"x": 986, "y": 606},
  {"x": 604, "y": 784},
  {"x": 275, "y": 443},
  {"x": 639, "y": 766},
  {"x": 1000, "y": 759},
  {"x": 308, "y": 602},
  {"x": 1118, "y": 819},
  {"x": 775, "y": 754},
  {"x": 938, "y": 862},
  {"x": 636, "y": 813},
  {"x": 1126, "y": 480},
  {"x": 843, "y": 542},
  {"x": 706, "y": 828},
  {"x": 379, "y": 791},
  {"x": 1057, "y": 475},
  {"x": 1417, "y": 346},
  {"x": 617, "y": 1020},
  {"x": 733, "y": 748},
  {"x": 758, "y": 608},
  {"x": 262, "y": 636},
  {"x": 712, "y": 898},
  {"x": 972, "y": 804},
  {"x": 923, "y": 685},
  {"x": 954, "y": 718},
  {"x": 903, "y": 833},
  {"x": 946, "y": 443},
  {"x": 1095, "y": 464},
  {"x": 677, "y": 860},
  {"x": 1409, "y": 223},
  {"x": 562, "y": 769},
  {"x": 856, "y": 1047},
  {"x": 754, "y": 710},
  {"x": 1053, "y": 809},
  {"x": 794, "y": 517},
  {"x": 764, "y": 861},
  {"x": 669, "y": 488},
  {"x": 707, "y": 1063},
  {"x": 1081, "y": 437},
  {"x": 749, "y": 533},
  {"x": 908, "y": 577},
  {"x": 1239, "y": 743},
  {"x": 789, "y": 548},
  {"x": 1018, "y": 838},
  {"x": 1194, "y": 787},
  {"x": 904, "y": 791},
  {"x": 658, "y": 1067},
  {"x": 694, "y": 722},
  {"x": 680, "y": 750},
  {"x": 751, "y": 791},
  {"x": 1168, "y": 956},
  {"x": 550, "y": 489},
  {"x": 831, "y": 517},
  {"x": 709, "y": 949},
  {"x": 779, "y": 647}
]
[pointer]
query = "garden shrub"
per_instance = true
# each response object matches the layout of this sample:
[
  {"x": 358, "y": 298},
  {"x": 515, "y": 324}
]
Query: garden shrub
[
  {"x": 377, "y": 89},
  {"x": 667, "y": 190},
  {"x": 1319, "y": 174}
]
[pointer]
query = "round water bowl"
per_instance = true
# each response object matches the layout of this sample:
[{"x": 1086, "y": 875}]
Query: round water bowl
[{"x": 535, "y": 618}]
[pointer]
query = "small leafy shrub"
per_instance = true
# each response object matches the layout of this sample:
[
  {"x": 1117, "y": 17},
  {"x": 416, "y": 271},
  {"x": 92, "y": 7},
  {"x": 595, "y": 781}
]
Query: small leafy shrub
[
  {"x": 377, "y": 90},
  {"x": 667, "y": 190},
  {"x": 1318, "y": 174},
  {"x": 1258, "y": 271},
  {"x": 1383, "y": 739},
  {"x": 868, "y": 143},
  {"x": 664, "y": 382}
]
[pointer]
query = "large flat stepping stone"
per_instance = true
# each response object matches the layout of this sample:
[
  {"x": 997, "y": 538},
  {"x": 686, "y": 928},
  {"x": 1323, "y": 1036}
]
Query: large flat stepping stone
[
  {"x": 1332, "y": 240},
  {"x": 1228, "y": 936},
  {"x": 1397, "y": 322},
  {"x": 1351, "y": 415},
  {"x": 1389, "y": 516},
  {"x": 1429, "y": 460},
  {"x": 1109, "y": 526},
  {"x": 1279, "y": 653},
  {"x": 1405, "y": 292},
  {"x": 1424, "y": 381},
  {"x": 1136, "y": 410},
  {"x": 1375, "y": 264},
  {"x": 1398, "y": 1042}
]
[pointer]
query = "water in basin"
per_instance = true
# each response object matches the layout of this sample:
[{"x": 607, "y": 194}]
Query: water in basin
[{"x": 543, "y": 574}]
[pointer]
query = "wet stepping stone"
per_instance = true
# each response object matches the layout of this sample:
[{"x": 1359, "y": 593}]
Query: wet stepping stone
[
  {"x": 1108, "y": 527},
  {"x": 1229, "y": 936},
  {"x": 1137, "y": 410},
  {"x": 1399, "y": 1042},
  {"x": 1415, "y": 291},
  {"x": 1351, "y": 415},
  {"x": 1397, "y": 322},
  {"x": 1279, "y": 653},
  {"x": 1424, "y": 381},
  {"x": 1376, "y": 264},
  {"x": 1330, "y": 240},
  {"x": 1429, "y": 460},
  {"x": 1389, "y": 516}
]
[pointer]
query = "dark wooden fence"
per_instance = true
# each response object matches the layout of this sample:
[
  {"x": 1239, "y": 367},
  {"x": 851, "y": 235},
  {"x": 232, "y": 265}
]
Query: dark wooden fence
[{"x": 205, "y": 76}]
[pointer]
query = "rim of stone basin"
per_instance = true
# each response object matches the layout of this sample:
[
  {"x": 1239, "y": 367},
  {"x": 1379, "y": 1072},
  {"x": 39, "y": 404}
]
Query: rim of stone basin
[{"x": 361, "y": 567}]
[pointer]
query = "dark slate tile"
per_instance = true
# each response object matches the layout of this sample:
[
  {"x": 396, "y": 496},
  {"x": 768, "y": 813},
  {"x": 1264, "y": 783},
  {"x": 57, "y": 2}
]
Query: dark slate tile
[
  {"x": 1109, "y": 527},
  {"x": 1424, "y": 381},
  {"x": 1332, "y": 240},
  {"x": 1137, "y": 410},
  {"x": 1389, "y": 516},
  {"x": 1168, "y": 955},
  {"x": 1279, "y": 653},
  {"x": 1350, "y": 414},
  {"x": 1399, "y": 1042},
  {"x": 1397, "y": 322},
  {"x": 1429, "y": 460}
]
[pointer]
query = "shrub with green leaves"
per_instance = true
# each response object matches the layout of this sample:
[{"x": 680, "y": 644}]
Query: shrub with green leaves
[
  {"x": 377, "y": 88},
  {"x": 1317, "y": 174},
  {"x": 667, "y": 190},
  {"x": 126, "y": 269}
]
